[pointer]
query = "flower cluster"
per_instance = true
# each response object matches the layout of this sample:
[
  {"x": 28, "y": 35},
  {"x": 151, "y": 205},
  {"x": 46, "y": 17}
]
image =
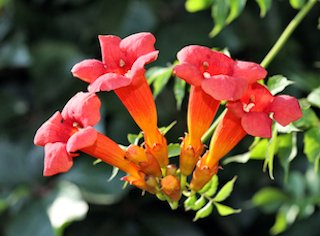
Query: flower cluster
[{"x": 213, "y": 76}]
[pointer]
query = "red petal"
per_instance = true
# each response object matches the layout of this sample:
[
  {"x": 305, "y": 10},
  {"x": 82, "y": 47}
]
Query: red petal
[
  {"x": 250, "y": 71},
  {"x": 257, "y": 124},
  {"x": 83, "y": 108},
  {"x": 190, "y": 73},
  {"x": 286, "y": 109},
  {"x": 57, "y": 159},
  {"x": 236, "y": 108},
  {"x": 88, "y": 70},
  {"x": 137, "y": 68},
  {"x": 224, "y": 87},
  {"x": 82, "y": 139},
  {"x": 108, "y": 82},
  {"x": 111, "y": 52},
  {"x": 53, "y": 130},
  {"x": 137, "y": 45},
  {"x": 260, "y": 96},
  {"x": 206, "y": 59}
]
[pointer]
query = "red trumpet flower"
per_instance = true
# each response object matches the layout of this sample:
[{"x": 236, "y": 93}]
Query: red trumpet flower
[
  {"x": 249, "y": 115},
  {"x": 122, "y": 70},
  {"x": 213, "y": 77}
]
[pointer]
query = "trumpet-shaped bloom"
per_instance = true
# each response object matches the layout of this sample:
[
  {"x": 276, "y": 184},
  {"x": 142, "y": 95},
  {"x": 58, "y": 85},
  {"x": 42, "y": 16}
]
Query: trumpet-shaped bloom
[
  {"x": 248, "y": 115},
  {"x": 68, "y": 131},
  {"x": 71, "y": 131},
  {"x": 213, "y": 77},
  {"x": 122, "y": 70}
]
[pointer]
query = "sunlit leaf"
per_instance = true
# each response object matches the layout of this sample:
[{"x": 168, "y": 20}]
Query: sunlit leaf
[
  {"x": 271, "y": 151},
  {"x": 241, "y": 158},
  {"x": 308, "y": 120},
  {"x": 280, "y": 224},
  {"x": 179, "y": 91},
  {"x": 264, "y": 5},
  {"x": 134, "y": 138},
  {"x": 225, "y": 191},
  {"x": 67, "y": 206},
  {"x": 199, "y": 203},
  {"x": 173, "y": 150},
  {"x": 297, "y": 4},
  {"x": 287, "y": 150},
  {"x": 312, "y": 144},
  {"x": 278, "y": 83},
  {"x": 219, "y": 12},
  {"x": 204, "y": 212},
  {"x": 259, "y": 149},
  {"x": 158, "y": 77},
  {"x": 224, "y": 210},
  {"x": 314, "y": 97},
  {"x": 286, "y": 129},
  {"x": 189, "y": 202},
  {"x": 214, "y": 182},
  {"x": 197, "y": 5},
  {"x": 166, "y": 129},
  {"x": 236, "y": 7}
]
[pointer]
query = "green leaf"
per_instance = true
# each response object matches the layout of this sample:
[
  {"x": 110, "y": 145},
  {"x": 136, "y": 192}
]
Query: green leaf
[
  {"x": 166, "y": 129},
  {"x": 271, "y": 151},
  {"x": 224, "y": 210},
  {"x": 158, "y": 77},
  {"x": 189, "y": 202},
  {"x": 134, "y": 138},
  {"x": 314, "y": 97},
  {"x": 259, "y": 150},
  {"x": 179, "y": 91},
  {"x": 265, "y": 6},
  {"x": 204, "y": 212},
  {"x": 241, "y": 158},
  {"x": 269, "y": 199},
  {"x": 173, "y": 150},
  {"x": 280, "y": 224},
  {"x": 278, "y": 83},
  {"x": 286, "y": 129},
  {"x": 236, "y": 7},
  {"x": 197, "y": 5},
  {"x": 308, "y": 120},
  {"x": 312, "y": 144},
  {"x": 199, "y": 203},
  {"x": 214, "y": 182},
  {"x": 297, "y": 4},
  {"x": 225, "y": 191},
  {"x": 287, "y": 150},
  {"x": 219, "y": 12}
]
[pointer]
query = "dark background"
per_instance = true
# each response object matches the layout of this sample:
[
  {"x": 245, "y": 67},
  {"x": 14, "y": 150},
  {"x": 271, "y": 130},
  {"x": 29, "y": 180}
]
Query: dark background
[{"x": 41, "y": 40}]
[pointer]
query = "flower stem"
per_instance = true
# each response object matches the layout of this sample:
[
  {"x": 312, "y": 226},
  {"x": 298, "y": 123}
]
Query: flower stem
[{"x": 287, "y": 33}]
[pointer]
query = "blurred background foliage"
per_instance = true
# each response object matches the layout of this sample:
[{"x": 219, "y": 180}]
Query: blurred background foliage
[{"x": 39, "y": 43}]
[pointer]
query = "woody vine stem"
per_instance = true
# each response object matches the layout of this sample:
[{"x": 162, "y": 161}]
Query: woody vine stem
[{"x": 274, "y": 50}]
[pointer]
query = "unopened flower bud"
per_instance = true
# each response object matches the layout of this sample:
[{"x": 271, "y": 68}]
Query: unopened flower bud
[
  {"x": 170, "y": 185},
  {"x": 171, "y": 169}
]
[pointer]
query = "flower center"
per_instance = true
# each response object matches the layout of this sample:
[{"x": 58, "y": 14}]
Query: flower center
[
  {"x": 248, "y": 107},
  {"x": 122, "y": 63},
  {"x": 206, "y": 75}
]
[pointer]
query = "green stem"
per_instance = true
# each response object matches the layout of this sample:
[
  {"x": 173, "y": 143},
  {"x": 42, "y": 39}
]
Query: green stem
[
  {"x": 209, "y": 132},
  {"x": 287, "y": 33}
]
